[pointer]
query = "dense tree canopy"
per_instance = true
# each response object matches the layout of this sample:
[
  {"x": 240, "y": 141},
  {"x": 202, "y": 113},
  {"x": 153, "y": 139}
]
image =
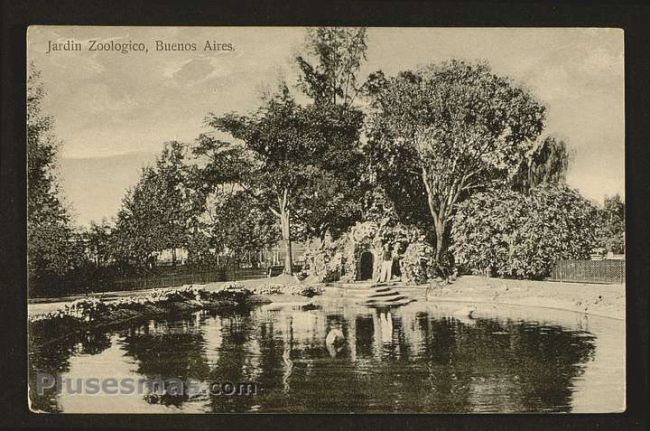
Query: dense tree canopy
[
  {"x": 300, "y": 163},
  {"x": 51, "y": 242},
  {"x": 137, "y": 231},
  {"x": 611, "y": 225},
  {"x": 240, "y": 226},
  {"x": 452, "y": 151},
  {"x": 456, "y": 127},
  {"x": 160, "y": 212},
  {"x": 522, "y": 236}
]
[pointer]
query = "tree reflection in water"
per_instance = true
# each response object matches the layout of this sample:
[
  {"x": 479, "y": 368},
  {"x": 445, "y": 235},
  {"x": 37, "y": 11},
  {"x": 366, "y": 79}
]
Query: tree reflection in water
[
  {"x": 398, "y": 360},
  {"x": 50, "y": 355}
]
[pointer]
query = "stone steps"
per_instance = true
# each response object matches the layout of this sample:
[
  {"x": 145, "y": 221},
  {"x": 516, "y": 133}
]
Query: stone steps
[{"x": 373, "y": 294}]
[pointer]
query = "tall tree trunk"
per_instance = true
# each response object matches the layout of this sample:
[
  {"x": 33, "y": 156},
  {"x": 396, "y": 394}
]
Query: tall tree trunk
[
  {"x": 440, "y": 238},
  {"x": 439, "y": 220},
  {"x": 286, "y": 239}
]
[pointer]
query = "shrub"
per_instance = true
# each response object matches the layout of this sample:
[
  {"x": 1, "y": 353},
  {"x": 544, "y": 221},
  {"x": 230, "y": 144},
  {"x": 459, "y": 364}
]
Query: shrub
[
  {"x": 523, "y": 236},
  {"x": 234, "y": 291},
  {"x": 87, "y": 309},
  {"x": 309, "y": 291},
  {"x": 271, "y": 289}
]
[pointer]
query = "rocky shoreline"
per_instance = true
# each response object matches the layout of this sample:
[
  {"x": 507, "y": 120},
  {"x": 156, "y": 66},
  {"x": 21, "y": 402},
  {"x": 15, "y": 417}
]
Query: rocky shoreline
[
  {"x": 59, "y": 319},
  {"x": 93, "y": 313}
]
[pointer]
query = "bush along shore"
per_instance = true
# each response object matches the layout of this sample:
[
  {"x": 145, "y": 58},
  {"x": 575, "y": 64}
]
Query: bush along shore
[{"x": 92, "y": 313}]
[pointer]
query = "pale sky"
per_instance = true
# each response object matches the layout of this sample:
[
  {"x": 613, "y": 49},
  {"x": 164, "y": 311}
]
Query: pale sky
[{"x": 113, "y": 111}]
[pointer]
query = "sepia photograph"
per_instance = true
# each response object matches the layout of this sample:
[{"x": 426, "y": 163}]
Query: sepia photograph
[{"x": 341, "y": 220}]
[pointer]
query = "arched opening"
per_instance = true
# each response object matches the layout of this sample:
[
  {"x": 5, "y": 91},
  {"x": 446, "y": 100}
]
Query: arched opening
[
  {"x": 366, "y": 265},
  {"x": 396, "y": 271}
]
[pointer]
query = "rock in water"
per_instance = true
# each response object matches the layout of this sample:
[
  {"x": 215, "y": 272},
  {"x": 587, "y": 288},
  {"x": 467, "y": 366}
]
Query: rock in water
[
  {"x": 465, "y": 312},
  {"x": 465, "y": 315}
]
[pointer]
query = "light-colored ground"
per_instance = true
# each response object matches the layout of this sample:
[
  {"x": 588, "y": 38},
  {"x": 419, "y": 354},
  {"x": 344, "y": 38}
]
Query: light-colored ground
[{"x": 607, "y": 300}]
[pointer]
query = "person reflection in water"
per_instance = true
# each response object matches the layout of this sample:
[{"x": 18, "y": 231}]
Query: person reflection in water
[
  {"x": 386, "y": 326},
  {"x": 382, "y": 323},
  {"x": 335, "y": 340}
]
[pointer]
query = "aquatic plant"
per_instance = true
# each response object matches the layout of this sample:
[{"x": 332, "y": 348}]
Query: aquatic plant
[
  {"x": 270, "y": 289},
  {"x": 87, "y": 309},
  {"x": 309, "y": 291}
]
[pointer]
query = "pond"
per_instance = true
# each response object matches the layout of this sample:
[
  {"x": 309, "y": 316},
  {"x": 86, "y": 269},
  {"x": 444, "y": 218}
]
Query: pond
[{"x": 421, "y": 358}]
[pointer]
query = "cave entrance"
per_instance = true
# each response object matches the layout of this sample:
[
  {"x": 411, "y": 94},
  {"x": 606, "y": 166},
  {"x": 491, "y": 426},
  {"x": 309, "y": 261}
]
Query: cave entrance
[{"x": 366, "y": 265}]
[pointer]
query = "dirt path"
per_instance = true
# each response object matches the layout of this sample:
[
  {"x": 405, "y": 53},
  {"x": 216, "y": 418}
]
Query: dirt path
[{"x": 606, "y": 300}]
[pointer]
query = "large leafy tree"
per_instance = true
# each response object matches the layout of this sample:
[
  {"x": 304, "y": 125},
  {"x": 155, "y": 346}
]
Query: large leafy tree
[
  {"x": 450, "y": 130},
  {"x": 240, "y": 225},
  {"x": 329, "y": 71},
  {"x": 302, "y": 164},
  {"x": 523, "y": 235},
  {"x": 160, "y": 211},
  {"x": 137, "y": 232},
  {"x": 272, "y": 142},
  {"x": 299, "y": 163},
  {"x": 51, "y": 241},
  {"x": 180, "y": 201}
]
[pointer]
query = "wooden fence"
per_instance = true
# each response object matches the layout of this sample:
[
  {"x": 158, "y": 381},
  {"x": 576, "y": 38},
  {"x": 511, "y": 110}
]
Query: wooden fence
[
  {"x": 590, "y": 271},
  {"x": 198, "y": 277},
  {"x": 163, "y": 281}
]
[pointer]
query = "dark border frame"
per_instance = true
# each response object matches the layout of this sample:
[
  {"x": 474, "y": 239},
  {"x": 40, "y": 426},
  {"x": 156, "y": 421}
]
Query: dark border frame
[{"x": 633, "y": 17}]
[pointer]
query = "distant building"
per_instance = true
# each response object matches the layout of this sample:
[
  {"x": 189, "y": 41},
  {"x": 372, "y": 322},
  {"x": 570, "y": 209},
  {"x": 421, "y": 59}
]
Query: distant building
[{"x": 166, "y": 257}]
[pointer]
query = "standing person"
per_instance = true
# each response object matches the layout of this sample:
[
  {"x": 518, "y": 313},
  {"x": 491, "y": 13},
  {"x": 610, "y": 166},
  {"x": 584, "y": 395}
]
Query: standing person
[
  {"x": 386, "y": 264},
  {"x": 395, "y": 258}
]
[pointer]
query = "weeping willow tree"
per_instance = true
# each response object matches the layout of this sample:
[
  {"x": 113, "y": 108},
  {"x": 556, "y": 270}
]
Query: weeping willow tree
[{"x": 546, "y": 163}]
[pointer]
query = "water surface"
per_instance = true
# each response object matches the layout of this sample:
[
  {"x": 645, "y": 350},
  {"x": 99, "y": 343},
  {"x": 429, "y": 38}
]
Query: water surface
[{"x": 423, "y": 357}]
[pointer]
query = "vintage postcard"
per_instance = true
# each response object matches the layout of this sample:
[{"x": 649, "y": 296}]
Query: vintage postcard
[{"x": 325, "y": 220}]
